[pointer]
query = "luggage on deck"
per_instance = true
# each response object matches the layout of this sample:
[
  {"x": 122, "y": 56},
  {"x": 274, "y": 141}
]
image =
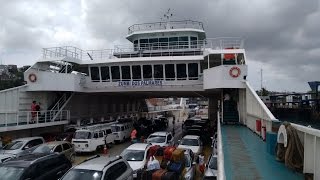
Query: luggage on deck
[
  {"x": 176, "y": 167},
  {"x": 164, "y": 164},
  {"x": 178, "y": 155},
  {"x": 168, "y": 152},
  {"x": 170, "y": 176},
  {"x": 146, "y": 175},
  {"x": 153, "y": 150},
  {"x": 157, "y": 175}
]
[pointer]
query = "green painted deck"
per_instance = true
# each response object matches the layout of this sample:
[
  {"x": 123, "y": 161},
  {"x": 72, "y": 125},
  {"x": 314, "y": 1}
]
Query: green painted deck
[{"x": 246, "y": 157}]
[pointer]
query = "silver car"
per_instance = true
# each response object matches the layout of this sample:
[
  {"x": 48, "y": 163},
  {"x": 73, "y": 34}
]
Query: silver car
[
  {"x": 60, "y": 147},
  {"x": 211, "y": 171},
  {"x": 17, "y": 146},
  {"x": 96, "y": 168}
]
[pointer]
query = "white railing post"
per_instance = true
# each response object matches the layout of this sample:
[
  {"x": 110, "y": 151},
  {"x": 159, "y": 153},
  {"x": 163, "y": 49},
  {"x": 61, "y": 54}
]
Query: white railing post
[
  {"x": 28, "y": 118},
  {"x": 221, "y": 172},
  {"x": 45, "y": 116},
  {"x": 6, "y": 119},
  {"x": 37, "y": 117}
]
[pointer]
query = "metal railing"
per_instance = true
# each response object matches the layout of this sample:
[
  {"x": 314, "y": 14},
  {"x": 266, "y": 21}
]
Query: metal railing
[
  {"x": 60, "y": 104},
  {"x": 9, "y": 119},
  {"x": 221, "y": 172},
  {"x": 145, "y": 49},
  {"x": 166, "y": 25}
]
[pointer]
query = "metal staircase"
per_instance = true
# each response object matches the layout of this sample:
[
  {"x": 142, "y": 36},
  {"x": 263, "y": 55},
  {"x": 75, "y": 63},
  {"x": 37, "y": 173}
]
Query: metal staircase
[
  {"x": 55, "y": 111},
  {"x": 230, "y": 112}
]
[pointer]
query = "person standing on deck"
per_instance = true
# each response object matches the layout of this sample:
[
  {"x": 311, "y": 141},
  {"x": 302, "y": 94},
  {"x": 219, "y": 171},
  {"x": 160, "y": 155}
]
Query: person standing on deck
[
  {"x": 33, "y": 111},
  {"x": 133, "y": 136}
]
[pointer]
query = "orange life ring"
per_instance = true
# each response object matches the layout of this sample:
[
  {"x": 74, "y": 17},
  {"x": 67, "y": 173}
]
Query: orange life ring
[
  {"x": 32, "y": 77},
  {"x": 235, "y": 72}
]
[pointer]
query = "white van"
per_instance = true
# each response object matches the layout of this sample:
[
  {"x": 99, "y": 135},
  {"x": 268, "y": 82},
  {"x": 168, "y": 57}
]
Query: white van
[
  {"x": 122, "y": 131},
  {"x": 91, "y": 138}
]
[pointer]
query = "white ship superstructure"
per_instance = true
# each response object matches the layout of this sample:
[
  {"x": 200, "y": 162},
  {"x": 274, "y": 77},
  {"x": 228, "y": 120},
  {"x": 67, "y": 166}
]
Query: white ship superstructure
[{"x": 163, "y": 59}]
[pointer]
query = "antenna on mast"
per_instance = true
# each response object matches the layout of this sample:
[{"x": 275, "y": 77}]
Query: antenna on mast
[{"x": 166, "y": 18}]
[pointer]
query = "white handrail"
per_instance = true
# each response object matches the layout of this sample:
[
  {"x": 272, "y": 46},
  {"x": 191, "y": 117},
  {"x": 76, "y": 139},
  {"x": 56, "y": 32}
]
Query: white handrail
[
  {"x": 264, "y": 108},
  {"x": 221, "y": 172}
]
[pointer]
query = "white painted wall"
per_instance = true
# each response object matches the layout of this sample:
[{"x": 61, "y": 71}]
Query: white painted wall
[
  {"x": 49, "y": 81},
  {"x": 219, "y": 77}
]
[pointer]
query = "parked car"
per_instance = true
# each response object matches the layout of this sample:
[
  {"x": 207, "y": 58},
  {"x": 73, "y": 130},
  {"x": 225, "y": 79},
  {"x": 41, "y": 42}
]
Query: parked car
[
  {"x": 161, "y": 138},
  {"x": 35, "y": 167},
  {"x": 5, "y": 157},
  {"x": 60, "y": 147},
  {"x": 190, "y": 168},
  {"x": 67, "y": 136},
  {"x": 17, "y": 146},
  {"x": 136, "y": 155},
  {"x": 98, "y": 168},
  {"x": 192, "y": 142},
  {"x": 211, "y": 170}
]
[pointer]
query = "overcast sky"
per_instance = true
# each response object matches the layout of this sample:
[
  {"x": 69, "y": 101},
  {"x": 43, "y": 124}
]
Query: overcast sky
[{"x": 282, "y": 36}]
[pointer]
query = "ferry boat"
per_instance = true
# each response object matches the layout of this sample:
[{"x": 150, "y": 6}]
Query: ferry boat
[{"x": 163, "y": 59}]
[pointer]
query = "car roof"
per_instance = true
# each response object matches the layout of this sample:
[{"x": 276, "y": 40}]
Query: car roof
[
  {"x": 160, "y": 133},
  {"x": 97, "y": 163},
  {"x": 28, "y": 138},
  {"x": 191, "y": 137},
  {"x": 138, "y": 146},
  {"x": 55, "y": 143},
  {"x": 27, "y": 160}
]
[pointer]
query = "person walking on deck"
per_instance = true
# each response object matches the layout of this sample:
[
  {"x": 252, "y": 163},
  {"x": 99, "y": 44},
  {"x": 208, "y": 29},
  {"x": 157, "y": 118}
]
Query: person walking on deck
[
  {"x": 133, "y": 135},
  {"x": 33, "y": 111}
]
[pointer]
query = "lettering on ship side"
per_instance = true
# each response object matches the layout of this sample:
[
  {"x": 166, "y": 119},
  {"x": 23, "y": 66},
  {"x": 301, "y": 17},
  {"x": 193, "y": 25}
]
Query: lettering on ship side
[{"x": 141, "y": 83}]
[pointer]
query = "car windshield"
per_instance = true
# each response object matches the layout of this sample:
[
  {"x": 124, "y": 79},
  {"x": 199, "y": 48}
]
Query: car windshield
[
  {"x": 43, "y": 149},
  {"x": 10, "y": 173},
  {"x": 13, "y": 145},
  {"x": 156, "y": 139},
  {"x": 82, "y": 174},
  {"x": 82, "y": 135},
  {"x": 213, "y": 162},
  {"x": 189, "y": 142},
  {"x": 133, "y": 155},
  {"x": 115, "y": 128}
]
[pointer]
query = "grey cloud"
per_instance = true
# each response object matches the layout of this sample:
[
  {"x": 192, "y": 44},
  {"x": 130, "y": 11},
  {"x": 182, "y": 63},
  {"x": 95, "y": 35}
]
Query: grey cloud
[{"x": 284, "y": 35}]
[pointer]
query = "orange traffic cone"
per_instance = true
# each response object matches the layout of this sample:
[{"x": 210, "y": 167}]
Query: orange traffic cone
[{"x": 105, "y": 150}]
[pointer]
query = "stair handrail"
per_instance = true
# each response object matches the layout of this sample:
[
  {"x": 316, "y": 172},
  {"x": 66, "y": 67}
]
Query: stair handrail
[{"x": 60, "y": 105}]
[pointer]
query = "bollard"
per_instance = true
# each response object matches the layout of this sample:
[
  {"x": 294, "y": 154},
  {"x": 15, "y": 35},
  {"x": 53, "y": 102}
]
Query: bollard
[{"x": 105, "y": 150}]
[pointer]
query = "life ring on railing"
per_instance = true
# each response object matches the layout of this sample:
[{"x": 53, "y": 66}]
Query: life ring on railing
[
  {"x": 32, "y": 77},
  {"x": 235, "y": 72}
]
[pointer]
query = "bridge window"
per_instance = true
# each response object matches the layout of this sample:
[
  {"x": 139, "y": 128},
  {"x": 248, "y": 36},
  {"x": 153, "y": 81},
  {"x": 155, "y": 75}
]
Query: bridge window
[
  {"x": 173, "y": 42},
  {"x": 169, "y": 71},
  {"x": 158, "y": 72},
  {"x": 193, "y": 71},
  {"x": 147, "y": 71},
  {"x": 126, "y": 75},
  {"x": 163, "y": 43},
  {"x": 143, "y": 43},
  {"x": 183, "y": 42},
  {"x": 115, "y": 72},
  {"x": 204, "y": 64},
  {"x": 135, "y": 44},
  {"x": 181, "y": 72},
  {"x": 136, "y": 72},
  {"x": 194, "y": 42},
  {"x": 105, "y": 76},
  {"x": 154, "y": 43},
  {"x": 95, "y": 74}
]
